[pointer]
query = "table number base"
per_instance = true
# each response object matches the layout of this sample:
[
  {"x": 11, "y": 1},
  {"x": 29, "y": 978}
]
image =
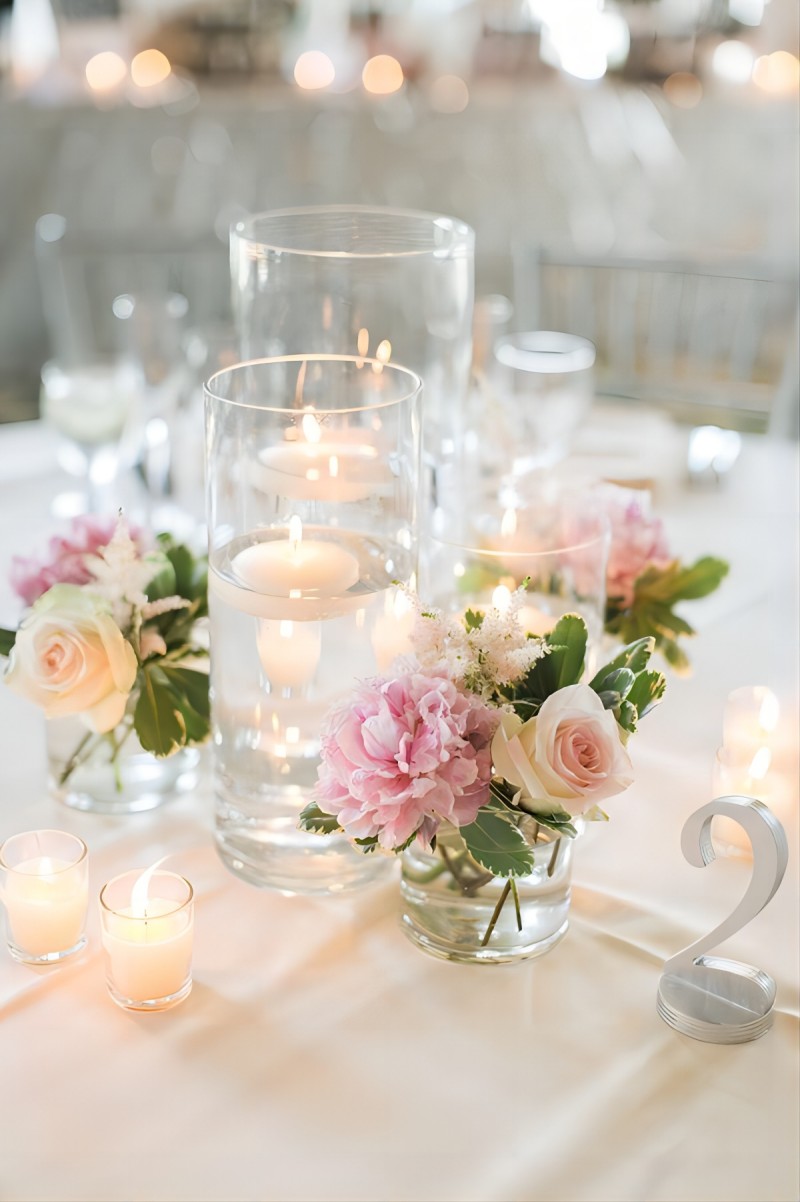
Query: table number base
[{"x": 717, "y": 1001}]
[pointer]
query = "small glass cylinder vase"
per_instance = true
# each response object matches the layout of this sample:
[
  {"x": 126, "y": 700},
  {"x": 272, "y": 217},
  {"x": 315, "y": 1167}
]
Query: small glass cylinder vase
[
  {"x": 44, "y": 886},
  {"x": 313, "y": 476},
  {"x": 452, "y": 908},
  {"x": 352, "y": 280},
  {"x": 545, "y": 384},
  {"x": 556, "y": 544},
  {"x": 111, "y": 773}
]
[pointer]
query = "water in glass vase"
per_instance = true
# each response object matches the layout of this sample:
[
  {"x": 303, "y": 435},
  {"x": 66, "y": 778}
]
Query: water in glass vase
[{"x": 278, "y": 663}]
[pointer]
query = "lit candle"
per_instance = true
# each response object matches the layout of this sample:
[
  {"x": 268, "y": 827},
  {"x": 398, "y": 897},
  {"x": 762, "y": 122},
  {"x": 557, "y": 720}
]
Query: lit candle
[
  {"x": 288, "y": 567},
  {"x": 750, "y": 720},
  {"x": 330, "y": 471},
  {"x": 391, "y": 634},
  {"x": 740, "y": 773},
  {"x": 45, "y": 891},
  {"x": 289, "y": 651},
  {"x": 148, "y": 926},
  {"x": 531, "y": 619}
]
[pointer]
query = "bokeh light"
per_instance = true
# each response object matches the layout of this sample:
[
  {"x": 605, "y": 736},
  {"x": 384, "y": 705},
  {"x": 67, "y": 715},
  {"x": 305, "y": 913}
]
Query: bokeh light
[
  {"x": 683, "y": 89},
  {"x": 150, "y": 67},
  {"x": 314, "y": 70},
  {"x": 449, "y": 94},
  {"x": 382, "y": 75},
  {"x": 732, "y": 61},
  {"x": 778, "y": 72},
  {"x": 105, "y": 71}
]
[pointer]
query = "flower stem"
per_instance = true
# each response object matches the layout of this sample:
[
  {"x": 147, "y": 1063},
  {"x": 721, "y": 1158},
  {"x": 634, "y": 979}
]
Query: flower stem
[
  {"x": 515, "y": 892},
  {"x": 75, "y": 759},
  {"x": 501, "y": 901},
  {"x": 551, "y": 867}
]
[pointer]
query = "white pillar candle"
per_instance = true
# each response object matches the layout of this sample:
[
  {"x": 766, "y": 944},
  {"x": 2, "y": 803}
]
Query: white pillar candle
[
  {"x": 289, "y": 651},
  {"x": 45, "y": 892},
  {"x": 289, "y": 567},
  {"x": 148, "y": 942}
]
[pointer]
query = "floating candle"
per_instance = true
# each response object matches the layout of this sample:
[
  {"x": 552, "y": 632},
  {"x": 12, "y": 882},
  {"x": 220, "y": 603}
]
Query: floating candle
[{"x": 292, "y": 566}]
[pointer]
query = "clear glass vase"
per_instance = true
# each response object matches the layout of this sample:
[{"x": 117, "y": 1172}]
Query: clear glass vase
[
  {"x": 452, "y": 908},
  {"x": 111, "y": 773},
  {"x": 312, "y": 472}
]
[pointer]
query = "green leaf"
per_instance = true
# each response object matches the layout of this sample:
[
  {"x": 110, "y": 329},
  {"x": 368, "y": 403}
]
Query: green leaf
[
  {"x": 647, "y": 691},
  {"x": 157, "y": 717},
  {"x": 628, "y": 716},
  {"x": 497, "y": 845},
  {"x": 674, "y": 655},
  {"x": 162, "y": 583},
  {"x": 560, "y": 823},
  {"x": 190, "y": 684},
  {"x": 7, "y": 640},
  {"x": 634, "y": 657},
  {"x": 563, "y": 664},
  {"x": 316, "y": 821},
  {"x": 183, "y": 564},
  {"x": 473, "y": 619}
]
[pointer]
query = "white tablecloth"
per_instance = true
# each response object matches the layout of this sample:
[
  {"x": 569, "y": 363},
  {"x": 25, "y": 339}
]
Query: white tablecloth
[{"x": 322, "y": 1056}]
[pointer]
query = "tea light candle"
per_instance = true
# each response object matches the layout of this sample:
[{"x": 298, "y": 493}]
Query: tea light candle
[
  {"x": 148, "y": 926},
  {"x": 288, "y": 567},
  {"x": 750, "y": 720},
  {"x": 45, "y": 891},
  {"x": 289, "y": 651}
]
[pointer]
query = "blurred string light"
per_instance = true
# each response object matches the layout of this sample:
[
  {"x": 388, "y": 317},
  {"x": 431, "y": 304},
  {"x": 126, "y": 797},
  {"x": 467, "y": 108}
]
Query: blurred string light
[
  {"x": 150, "y": 67},
  {"x": 581, "y": 37},
  {"x": 313, "y": 71},
  {"x": 105, "y": 71},
  {"x": 683, "y": 89},
  {"x": 449, "y": 94},
  {"x": 733, "y": 61},
  {"x": 382, "y": 75},
  {"x": 778, "y": 72}
]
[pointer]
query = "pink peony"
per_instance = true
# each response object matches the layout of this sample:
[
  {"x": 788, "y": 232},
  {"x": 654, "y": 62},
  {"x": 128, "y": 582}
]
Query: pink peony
[
  {"x": 637, "y": 541},
  {"x": 404, "y": 754},
  {"x": 66, "y": 563}
]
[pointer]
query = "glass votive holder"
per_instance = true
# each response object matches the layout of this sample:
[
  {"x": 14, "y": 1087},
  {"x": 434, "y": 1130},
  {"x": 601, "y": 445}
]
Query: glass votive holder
[
  {"x": 750, "y": 720},
  {"x": 545, "y": 384},
  {"x": 147, "y": 921},
  {"x": 44, "y": 884},
  {"x": 556, "y": 545}
]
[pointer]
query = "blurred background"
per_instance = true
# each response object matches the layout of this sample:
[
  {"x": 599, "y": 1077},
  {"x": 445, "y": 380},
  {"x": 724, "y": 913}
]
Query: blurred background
[{"x": 626, "y": 166}]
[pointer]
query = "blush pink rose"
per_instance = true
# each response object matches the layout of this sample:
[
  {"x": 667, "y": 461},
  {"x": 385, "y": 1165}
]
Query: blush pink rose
[
  {"x": 404, "y": 754},
  {"x": 66, "y": 562},
  {"x": 637, "y": 541},
  {"x": 569, "y": 757}
]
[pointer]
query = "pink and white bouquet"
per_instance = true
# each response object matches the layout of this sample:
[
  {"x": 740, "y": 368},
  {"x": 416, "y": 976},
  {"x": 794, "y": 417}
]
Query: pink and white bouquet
[
  {"x": 111, "y": 635},
  {"x": 645, "y": 581},
  {"x": 484, "y": 728}
]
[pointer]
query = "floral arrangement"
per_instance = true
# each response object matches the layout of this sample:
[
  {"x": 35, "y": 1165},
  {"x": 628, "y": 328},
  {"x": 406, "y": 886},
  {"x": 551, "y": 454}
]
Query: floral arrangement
[
  {"x": 483, "y": 729},
  {"x": 113, "y": 635},
  {"x": 645, "y": 581}
]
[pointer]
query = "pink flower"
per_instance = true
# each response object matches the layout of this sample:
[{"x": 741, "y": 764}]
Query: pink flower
[
  {"x": 569, "y": 757},
  {"x": 637, "y": 541},
  {"x": 404, "y": 754},
  {"x": 66, "y": 562}
]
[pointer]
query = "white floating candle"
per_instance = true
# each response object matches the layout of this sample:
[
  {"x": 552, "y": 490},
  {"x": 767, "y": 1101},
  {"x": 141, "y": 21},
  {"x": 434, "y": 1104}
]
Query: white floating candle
[
  {"x": 289, "y": 651},
  {"x": 292, "y": 566},
  {"x": 328, "y": 471}
]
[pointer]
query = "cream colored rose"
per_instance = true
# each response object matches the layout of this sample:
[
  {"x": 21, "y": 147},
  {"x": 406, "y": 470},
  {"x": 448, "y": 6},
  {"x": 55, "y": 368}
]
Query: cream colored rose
[
  {"x": 570, "y": 756},
  {"x": 70, "y": 658}
]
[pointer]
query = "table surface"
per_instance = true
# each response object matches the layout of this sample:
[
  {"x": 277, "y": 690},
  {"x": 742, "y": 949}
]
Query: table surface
[{"x": 322, "y": 1056}]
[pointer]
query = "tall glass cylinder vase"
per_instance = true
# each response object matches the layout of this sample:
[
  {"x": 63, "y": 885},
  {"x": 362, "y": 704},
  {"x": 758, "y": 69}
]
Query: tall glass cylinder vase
[
  {"x": 368, "y": 281},
  {"x": 313, "y": 480}
]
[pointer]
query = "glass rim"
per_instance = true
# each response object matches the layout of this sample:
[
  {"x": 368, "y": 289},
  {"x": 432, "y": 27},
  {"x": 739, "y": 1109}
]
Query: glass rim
[
  {"x": 244, "y": 230},
  {"x": 566, "y": 352},
  {"x": 318, "y": 357},
  {"x": 47, "y": 831},
  {"x": 490, "y": 552},
  {"x": 144, "y": 917}
]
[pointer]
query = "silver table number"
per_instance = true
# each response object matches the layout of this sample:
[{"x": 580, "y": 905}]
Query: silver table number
[{"x": 706, "y": 997}]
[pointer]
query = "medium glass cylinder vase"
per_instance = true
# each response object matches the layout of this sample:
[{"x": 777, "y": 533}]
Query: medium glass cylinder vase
[
  {"x": 352, "y": 280},
  {"x": 313, "y": 476}
]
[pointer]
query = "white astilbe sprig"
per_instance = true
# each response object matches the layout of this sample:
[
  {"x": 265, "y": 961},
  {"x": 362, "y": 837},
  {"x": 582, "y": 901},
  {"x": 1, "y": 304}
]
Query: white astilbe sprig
[
  {"x": 164, "y": 605},
  {"x": 121, "y": 574},
  {"x": 492, "y": 653}
]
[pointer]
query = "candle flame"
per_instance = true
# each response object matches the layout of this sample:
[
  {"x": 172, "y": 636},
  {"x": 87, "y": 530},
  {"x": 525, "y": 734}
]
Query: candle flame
[
  {"x": 769, "y": 713},
  {"x": 501, "y": 598},
  {"x": 384, "y": 352},
  {"x": 333, "y": 465},
  {"x": 286, "y": 629},
  {"x": 311, "y": 427},
  {"x": 362, "y": 342},
  {"x": 141, "y": 887},
  {"x": 508, "y": 525},
  {"x": 760, "y": 764},
  {"x": 295, "y": 532}
]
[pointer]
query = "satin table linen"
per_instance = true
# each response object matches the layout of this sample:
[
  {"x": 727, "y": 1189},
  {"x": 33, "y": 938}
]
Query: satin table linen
[{"x": 321, "y": 1056}]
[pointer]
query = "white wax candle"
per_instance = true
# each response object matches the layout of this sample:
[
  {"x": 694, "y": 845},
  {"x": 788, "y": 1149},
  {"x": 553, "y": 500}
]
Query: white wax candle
[
  {"x": 148, "y": 955},
  {"x": 323, "y": 471},
  {"x": 46, "y": 901},
  {"x": 391, "y": 634},
  {"x": 750, "y": 720},
  {"x": 288, "y": 567},
  {"x": 289, "y": 651},
  {"x": 534, "y": 620}
]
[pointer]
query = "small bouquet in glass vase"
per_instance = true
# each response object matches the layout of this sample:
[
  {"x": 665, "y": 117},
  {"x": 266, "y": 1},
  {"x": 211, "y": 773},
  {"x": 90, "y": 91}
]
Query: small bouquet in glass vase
[
  {"x": 645, "y": 581},
  {"x": 114, "y": 651},
  {"x": 479, "y": 758}
]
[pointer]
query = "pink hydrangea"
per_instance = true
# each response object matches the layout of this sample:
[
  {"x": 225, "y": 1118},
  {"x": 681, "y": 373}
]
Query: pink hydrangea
[
  {"x": 637, "y": 541},
  {"x": 402, "y": 755},
  {"x": 66, "y": 559}
]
